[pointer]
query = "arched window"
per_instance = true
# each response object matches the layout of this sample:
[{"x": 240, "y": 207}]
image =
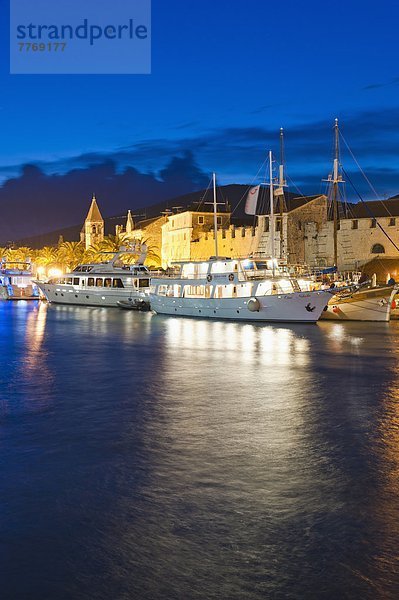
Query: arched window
[{"x": 378, "y": 249}]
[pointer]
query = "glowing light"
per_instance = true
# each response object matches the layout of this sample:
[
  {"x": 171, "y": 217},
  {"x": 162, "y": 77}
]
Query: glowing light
[
  {"x": 41, "y": 271},
  {"x": 55, "y": 273}
]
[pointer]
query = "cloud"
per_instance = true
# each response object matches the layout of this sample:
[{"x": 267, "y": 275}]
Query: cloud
[
  {"x": 54, "y": 194},
  {"x": 36, "y": 202}
]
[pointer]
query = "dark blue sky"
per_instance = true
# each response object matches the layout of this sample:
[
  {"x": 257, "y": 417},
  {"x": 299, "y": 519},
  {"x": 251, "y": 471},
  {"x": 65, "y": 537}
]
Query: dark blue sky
[{"x": 226, "y": 75}]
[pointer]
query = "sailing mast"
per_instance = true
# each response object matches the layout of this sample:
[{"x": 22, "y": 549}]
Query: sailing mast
[
  {"x": 215, "y": 219},
  {"x": 337, "y": 178},
  {"x": 271, "y": 216},
  {"x": 280, "y": 190}
]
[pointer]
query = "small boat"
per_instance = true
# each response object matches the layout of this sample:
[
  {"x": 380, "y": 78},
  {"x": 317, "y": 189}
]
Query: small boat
[
  {"x": 361, "y": 304},
  {"x": 101, "y": 284},
  {"x": 134, "y": 304},
  {"x": 17, "y": 281}
]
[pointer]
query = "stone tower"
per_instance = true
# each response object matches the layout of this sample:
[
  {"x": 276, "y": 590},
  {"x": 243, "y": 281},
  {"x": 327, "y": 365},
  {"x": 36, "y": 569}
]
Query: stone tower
[
  {"x": 93, "y": 228},
  {"x": 129, "y": 222}
]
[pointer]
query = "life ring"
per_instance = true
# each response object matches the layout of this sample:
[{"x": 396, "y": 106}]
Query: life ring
[
  {"x": 231, "y": 277},
  {"x": 209, "y": 277}
]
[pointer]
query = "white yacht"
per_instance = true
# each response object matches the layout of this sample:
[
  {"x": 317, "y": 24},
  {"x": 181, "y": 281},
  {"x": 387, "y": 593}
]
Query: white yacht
[
  {"x": 16, "y": 281},
  {"x": 102, "y": 284},
  {"x": 240, "y": 290},
  {"x": 236, "y": 289}
]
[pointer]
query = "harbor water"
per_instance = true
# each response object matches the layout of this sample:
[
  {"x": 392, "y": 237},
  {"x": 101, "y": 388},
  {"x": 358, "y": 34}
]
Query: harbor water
[{"x": 147, "y": 457}]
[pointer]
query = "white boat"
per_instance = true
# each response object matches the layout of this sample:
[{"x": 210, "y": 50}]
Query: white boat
[
  {"x": 100, "y": 284},
  {"x": 240, "y": 290},
  {"x": 369, "y": 304},
  {"x": 16, "y": 281}
]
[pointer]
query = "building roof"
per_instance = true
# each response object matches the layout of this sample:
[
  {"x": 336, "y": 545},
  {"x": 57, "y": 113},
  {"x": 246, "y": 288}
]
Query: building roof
[
  {"x": 94, "y": 212},
  {"x": 298, "y": 201},
  {"x": 374, "y": 208}
]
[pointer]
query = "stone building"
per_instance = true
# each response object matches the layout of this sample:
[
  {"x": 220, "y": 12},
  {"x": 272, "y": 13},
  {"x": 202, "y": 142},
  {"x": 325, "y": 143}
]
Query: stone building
[
  {"x": 93, "y": 229},
  {"x": 189, "y": 235},
  {"x": 360, "y": 235},
  {"x": 304, "y": 234}
]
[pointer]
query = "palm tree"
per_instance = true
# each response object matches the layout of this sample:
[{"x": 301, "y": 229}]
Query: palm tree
[
  {"x": 112, "y": 243},
  {"x": 21, "y": 254},
  {"x": 47, "y": 257},
  {"x": 3, "y": 252},
  {"x": 94, "y": 253},
  {"x": 70, "y": 254}
]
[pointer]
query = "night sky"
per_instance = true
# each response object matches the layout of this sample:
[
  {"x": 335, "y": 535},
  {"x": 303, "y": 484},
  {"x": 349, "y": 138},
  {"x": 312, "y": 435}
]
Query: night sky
[{"x": 226, "y": 75}]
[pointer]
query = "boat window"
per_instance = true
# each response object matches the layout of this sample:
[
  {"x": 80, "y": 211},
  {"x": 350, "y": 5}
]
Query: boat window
[
  {"x": 162, "y": 290},
  {"x": 144, "y": 283},
  {"x": 224, "y": 291},
  {"x": 117, "y": 283},
  {"x": 90, "y": 281},
  {"x": 99, "y": 282},
  {"x": 194, "y": 291},
  {"x": 219, "y": 220},
  {"x": 264, "y": 288},
  {"x": 76, "y": 281},
  {"x": 108, "y": 282},
  {"x": 223, "y": 267},
  {"x": 69, "y": 280},
  {"x": 200, "y": 220}
]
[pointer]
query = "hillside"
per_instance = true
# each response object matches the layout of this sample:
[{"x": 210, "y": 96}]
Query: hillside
[{"x": 234, "y": 195}]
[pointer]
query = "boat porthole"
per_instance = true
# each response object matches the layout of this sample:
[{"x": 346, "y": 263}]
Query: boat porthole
[
  {"x": 199, "y": 311},
  {"x": 76, "y": 295},
  {"x": 214, "y": 312},
  {"x": 175, "y": 309},
  {"x": 62, "y": 295},
  {"x": 87, "y": 297},
  {"x": 238, "y": 312},
  {"x": 56, "y": 294}
]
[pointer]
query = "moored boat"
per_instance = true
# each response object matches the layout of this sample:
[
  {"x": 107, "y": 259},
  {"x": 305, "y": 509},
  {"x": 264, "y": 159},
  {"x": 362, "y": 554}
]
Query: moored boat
[
  {"x": 101, "y": 284},
  {"x": 239, "y": 290},
  {"x": 17, "y": 282},
  {"x": 368, "y": 304}
]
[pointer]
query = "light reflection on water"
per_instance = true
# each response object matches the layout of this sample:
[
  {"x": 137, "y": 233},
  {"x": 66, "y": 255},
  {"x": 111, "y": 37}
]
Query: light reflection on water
[{"x": 150, "y": 457}]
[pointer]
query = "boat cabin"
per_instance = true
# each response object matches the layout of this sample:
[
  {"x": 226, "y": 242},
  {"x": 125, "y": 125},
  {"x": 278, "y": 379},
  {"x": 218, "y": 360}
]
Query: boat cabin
[{"x": 227, "y": 278}]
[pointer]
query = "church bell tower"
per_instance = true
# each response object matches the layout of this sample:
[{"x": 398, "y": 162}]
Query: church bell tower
[{"x": 93, "y": 228}]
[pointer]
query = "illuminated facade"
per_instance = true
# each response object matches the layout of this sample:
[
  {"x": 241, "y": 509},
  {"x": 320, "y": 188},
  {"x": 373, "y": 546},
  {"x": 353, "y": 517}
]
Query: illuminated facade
[{"x": 93, "y": 228}]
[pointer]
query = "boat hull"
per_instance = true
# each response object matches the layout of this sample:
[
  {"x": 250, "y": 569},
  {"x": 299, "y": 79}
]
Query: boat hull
[
  {"x": 367, "y": 305},
  {"x": 297, "y": 307},
  {"x": 71, "y": 295},
  {"x": 14, "y": 292}
]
